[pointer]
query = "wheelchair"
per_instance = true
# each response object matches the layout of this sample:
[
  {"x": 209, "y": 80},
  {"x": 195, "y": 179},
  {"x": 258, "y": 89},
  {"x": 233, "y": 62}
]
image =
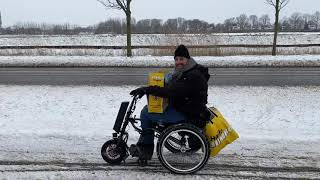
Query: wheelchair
[{"x": 181, "y": 148}]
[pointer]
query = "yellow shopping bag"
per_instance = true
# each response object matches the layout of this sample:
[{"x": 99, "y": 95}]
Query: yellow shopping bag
[
  {"x": 219, "y": 132},
  {"x": 156, "y": 104}
]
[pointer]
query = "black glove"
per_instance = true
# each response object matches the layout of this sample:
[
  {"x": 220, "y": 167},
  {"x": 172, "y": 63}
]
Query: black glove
[{"x": 139, "y": 92}]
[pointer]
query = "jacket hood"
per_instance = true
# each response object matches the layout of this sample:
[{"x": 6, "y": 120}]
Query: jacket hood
[
  {"x": 204, "y": 71},
  {"x": 189, "y": 66}
]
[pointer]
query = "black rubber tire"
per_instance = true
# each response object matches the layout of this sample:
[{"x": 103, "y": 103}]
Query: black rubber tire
[
  {"x": 119, "y": 153},
  {"x": 189, "y": 127}
]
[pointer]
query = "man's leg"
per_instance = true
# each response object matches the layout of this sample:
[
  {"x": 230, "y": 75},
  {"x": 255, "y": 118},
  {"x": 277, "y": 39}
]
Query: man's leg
[
  {"x": 145, "y": 144},
  {"x": 170, "y": 115}
]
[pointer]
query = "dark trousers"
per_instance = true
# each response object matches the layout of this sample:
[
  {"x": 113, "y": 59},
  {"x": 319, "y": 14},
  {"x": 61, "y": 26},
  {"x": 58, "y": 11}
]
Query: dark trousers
[{"x": 170, "y": 115}]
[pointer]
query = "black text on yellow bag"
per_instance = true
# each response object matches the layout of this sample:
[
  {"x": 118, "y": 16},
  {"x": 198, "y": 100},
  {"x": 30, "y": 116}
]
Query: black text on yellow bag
[
  {"x": 156, "y": 104},
  {"x": 219, "y": 132}
]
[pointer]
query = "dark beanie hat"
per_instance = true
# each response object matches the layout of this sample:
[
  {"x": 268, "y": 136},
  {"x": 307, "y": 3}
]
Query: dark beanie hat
[{"x": 182, "y": 51}]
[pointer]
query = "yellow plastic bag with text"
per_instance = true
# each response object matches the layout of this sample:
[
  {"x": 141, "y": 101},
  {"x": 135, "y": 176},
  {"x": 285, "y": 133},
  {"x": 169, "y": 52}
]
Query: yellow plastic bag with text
[
  {"x": 156, "y": 104},
  {"x": 219, "y": 132}
]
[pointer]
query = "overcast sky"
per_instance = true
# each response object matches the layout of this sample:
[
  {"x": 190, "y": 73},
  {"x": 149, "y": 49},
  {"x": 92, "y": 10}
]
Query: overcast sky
[{"x": 89, "y": 12}]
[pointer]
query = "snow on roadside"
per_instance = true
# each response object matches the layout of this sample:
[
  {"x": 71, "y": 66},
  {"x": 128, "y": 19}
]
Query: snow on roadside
[
  {"x": 160, "y": 61},
  {"x": 70, "y": 123},
  {"x": 255, "y": 112}
]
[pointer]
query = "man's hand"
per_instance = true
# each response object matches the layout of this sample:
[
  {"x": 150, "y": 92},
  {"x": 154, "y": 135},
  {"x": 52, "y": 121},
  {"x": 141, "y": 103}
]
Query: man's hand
[{"x": 139, "y": 92}]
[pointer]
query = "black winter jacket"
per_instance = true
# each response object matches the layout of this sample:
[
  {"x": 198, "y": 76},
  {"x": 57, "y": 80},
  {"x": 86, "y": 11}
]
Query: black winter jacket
[{"x": 188, "y": 93}]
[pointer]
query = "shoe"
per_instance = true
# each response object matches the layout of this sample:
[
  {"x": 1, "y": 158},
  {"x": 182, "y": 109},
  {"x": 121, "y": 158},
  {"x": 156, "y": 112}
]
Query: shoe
[
  {"x": 142, "y": 151},
  {"x": 134, "y": 150}
]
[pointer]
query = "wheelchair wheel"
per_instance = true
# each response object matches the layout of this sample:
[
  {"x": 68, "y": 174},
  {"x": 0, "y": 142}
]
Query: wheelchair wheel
[
  {"x": 112, "y": 153},
  {"x": 184, "y": 160}
]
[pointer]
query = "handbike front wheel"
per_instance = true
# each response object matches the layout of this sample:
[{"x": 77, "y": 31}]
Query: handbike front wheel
[
  {"x": 185, "y": 160},
  {"x": 113, "y": 152}
]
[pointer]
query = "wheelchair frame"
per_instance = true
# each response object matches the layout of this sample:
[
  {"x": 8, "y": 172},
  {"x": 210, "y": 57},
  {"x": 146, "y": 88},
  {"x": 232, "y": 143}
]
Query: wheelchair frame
[
  {"x": 121, "y": 137},
  {"x": 124, "y": 117}
]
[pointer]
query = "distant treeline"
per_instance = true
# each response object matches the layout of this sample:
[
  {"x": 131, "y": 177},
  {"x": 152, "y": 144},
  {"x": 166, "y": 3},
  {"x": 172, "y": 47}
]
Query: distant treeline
[{"x": 243, "y": 23}]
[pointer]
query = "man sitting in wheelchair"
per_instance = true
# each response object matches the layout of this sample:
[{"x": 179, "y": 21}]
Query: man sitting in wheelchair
[{"x": 187, "y": 91}]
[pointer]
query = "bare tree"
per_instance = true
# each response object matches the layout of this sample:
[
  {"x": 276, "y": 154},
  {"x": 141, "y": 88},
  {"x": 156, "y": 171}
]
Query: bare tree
[
  {"x": 156, "y": 25},
  {"x": 0, "y": 21},
  {"x": 110, "y": 26},
  {"x": 278, "y": 5},
  {"x": 197, "y": 26},
  {"x": 180, "y": 25},
  {"x": 171, "y": 26},
  {"x": 254, "y": 23},
  {"x": 123, "y": 5},
  {"x": 316, "y": 19},
  {"x": 143, "y": 26},
  {"x": 264, "y": 21},
  {"x": 285, "y": 24},
  {"x": 307, "y": 18},
  {"x": 243, "y": 22},
  {"x": 296, "y": 21},
  {"x": 229, "y": 23}
]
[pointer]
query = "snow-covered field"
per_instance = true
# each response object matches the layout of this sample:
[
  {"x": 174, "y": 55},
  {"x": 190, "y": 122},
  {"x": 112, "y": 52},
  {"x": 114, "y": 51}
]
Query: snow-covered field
[
  {"x": 278, "y": 127},
  {"x": 160, "y": 61},
  {"x": 160, "y": 40},
  {"x": 228, "y": 51}
]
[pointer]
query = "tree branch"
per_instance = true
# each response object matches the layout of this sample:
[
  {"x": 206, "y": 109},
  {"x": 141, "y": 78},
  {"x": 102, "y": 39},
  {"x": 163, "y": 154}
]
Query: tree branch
[
  {"x": 270, "y": 2},
  {"x": 122, "y": 4},
  {"x": 109, "y": 4},
  {"x": 284, "y": 3}
]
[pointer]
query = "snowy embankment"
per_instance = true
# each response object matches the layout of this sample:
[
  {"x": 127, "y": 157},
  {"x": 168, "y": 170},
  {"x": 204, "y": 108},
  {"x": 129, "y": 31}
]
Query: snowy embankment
[
  {"x": 160, "y": 40},
  {"x": 64, "y": 122},
  {"x": 159, "y": 61}
]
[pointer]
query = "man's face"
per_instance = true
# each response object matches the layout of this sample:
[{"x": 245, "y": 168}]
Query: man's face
[{"x": 180, "y": 62}]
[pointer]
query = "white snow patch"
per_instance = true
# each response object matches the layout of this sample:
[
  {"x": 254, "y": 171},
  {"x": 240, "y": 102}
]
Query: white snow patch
[
  {"x": 89, "y": 111},
  {"x": 159, "y": 39},
  {"x": 160, "y": 61},
  {"x": 278, "y": 127}
]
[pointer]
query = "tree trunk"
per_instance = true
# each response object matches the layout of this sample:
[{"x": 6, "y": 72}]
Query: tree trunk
[
  {"x": 129, "y": 50},
  {"x": 276, "y": 29}
]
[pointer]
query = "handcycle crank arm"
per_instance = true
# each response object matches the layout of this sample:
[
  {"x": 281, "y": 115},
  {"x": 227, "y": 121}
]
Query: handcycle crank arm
[{"x": 178, "y": 141}]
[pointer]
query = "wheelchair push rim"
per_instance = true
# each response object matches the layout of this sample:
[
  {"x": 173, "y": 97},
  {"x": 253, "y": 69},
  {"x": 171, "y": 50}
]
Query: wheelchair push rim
[{"x": 185, "y": 161}]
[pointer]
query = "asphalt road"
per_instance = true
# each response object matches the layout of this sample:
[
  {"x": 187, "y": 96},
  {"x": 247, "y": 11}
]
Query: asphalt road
[
  {"x": 138, "y": 76},
  {"x": 60, "y": 170},
  {"x": 78, "y": 157}
]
